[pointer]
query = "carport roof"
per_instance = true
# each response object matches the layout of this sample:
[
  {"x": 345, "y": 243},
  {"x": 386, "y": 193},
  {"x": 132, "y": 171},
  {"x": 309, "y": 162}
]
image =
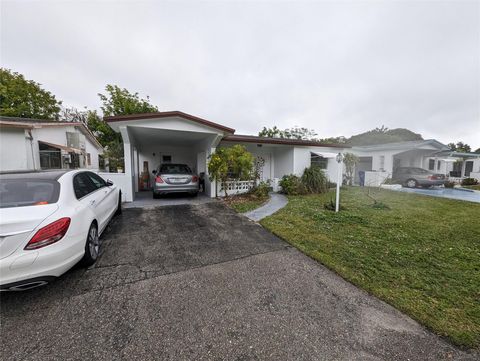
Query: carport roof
[{"x": 175, "y": 113}]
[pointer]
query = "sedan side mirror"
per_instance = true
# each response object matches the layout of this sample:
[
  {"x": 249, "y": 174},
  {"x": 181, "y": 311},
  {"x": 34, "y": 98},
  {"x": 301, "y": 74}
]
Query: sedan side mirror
[{"x": 109, "y": 183}]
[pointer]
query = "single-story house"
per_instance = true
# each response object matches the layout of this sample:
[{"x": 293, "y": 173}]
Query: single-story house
[
  {"x": 177, "y": 137},
  {"x": 35, "y": 144},
  {"x": 380, "y": 160}
]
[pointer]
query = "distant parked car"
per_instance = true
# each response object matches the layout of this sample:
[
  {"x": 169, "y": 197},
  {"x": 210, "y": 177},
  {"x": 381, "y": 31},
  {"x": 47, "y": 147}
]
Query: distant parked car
[
  {"x": 174, "y": 178},
  {"x": 49, "y": 221},
  {"x": 413, "y": 177}
]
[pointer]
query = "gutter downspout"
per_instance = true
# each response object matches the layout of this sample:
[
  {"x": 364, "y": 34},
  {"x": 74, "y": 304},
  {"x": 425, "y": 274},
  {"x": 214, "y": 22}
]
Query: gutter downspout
[{"x": 30, "y": 137}]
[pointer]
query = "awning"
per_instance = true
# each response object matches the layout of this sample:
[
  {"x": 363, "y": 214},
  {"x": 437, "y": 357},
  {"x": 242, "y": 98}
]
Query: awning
[
  {"x": 325, "y": 154},
  {"x": 62, "y": 147}
]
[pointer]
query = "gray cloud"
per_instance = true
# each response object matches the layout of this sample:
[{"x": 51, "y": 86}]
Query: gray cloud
[{"x": 338, "y": 67}]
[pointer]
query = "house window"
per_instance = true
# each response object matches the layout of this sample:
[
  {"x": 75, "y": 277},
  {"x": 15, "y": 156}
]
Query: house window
[
  {"x": 382, "y": 163},
  {"x": 89, "y": 160},
  {"x": 167, "y": 159},
  {"x": 50, "y": 157},
  {"x": 318, "y": 160},
  {"x": 439, "y": 164},
  {"x": 101, "y": 162},
  {"x": 431, "y": 164}
]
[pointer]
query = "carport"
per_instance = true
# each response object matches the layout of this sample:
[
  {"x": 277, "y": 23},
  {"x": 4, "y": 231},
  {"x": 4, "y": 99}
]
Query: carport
[{"x": 152, "y": 139}]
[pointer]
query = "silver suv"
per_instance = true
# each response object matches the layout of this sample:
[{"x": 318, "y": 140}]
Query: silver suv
[
  {"x": 414, "y": 177},
  {"x": 174, "y": 178}
]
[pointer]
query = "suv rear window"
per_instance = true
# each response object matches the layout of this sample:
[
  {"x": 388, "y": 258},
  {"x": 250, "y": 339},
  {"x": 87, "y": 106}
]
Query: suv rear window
[
  {"x": 175, "y": 169},
  {"x": 28, "y": 192}
]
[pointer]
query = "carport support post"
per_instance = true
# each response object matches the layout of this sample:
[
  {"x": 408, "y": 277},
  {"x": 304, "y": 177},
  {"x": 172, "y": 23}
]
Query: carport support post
[{"x": 339, "y": 159}]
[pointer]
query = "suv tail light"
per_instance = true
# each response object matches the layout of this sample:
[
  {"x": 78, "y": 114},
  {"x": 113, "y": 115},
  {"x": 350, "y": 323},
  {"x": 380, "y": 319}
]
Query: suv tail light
[
  {"x": 194, "y": 179},
  {"x": 49, "y": 234},
  {"x": 158, "y": 179}
]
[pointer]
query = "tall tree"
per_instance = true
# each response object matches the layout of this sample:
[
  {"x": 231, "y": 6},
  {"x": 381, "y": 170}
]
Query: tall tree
[
  {"x": 120, "y": 101},
  {"x": 116, "y": 101},
  {"x": 289, "y": 133},
  {"x": 24, "y": 98},
  {"x": 460, "y": 147}
]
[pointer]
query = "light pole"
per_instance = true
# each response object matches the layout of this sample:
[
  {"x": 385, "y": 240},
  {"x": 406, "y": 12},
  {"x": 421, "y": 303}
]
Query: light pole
[{"x": 339, "y": 159}]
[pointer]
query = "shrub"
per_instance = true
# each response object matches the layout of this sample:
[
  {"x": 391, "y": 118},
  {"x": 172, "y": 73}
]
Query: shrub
[
  {"x": 469, "y": 182},
  {"x": 261, "y": 190},
  {"x": 449, "y": 184},
  {"x": 292, "y": 185},
  {"x": 315, "y": 180}
]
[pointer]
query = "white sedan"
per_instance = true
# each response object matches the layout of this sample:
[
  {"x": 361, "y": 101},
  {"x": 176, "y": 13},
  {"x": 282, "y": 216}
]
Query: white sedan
[{"x": 49, "y": 221}]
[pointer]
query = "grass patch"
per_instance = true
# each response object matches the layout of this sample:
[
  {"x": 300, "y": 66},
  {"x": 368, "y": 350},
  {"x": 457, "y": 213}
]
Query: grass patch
[
  {"x": 475, "y": 187},
  {"x": 420, "y": 254},
  {"x": 245, "y": 202}
]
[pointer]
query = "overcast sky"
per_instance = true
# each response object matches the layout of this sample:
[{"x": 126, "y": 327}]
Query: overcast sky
[{"x": 338, "y": 67}]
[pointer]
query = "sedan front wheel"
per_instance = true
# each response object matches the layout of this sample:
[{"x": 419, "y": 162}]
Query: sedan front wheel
[{"x": 411, "y": 183}]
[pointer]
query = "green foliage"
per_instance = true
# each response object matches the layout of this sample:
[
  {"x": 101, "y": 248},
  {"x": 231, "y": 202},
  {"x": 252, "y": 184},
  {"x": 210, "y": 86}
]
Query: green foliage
[
  {"x": 292, "y": 185},
  {"x": 120, "y": 101},
  {"x": 24, "y": 98},
  {"x": 383, "y": 135},
  {"x": 425, "y": 266},
  {"x": 460, "y": 147},
  {"x": 315, "y": 180},
  {"x": 350, "y": 160},
  {"x": 232, "y": 163},
  {"x": 449, "y": 184},
  {"x": 261, "y": 190},
  {"x": 289, "y": 133},
  {"x": 469, "y": 182}
]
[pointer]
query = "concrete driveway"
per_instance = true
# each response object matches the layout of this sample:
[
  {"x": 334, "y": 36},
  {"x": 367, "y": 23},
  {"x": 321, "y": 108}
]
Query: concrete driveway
[{"x": 203, "y": 283}]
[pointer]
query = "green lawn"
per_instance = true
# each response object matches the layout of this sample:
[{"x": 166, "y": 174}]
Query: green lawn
[
  {"x": 475, "y": 187},
  {"x": 421, "y": 254},
  {"x": 245, "y": 202}
]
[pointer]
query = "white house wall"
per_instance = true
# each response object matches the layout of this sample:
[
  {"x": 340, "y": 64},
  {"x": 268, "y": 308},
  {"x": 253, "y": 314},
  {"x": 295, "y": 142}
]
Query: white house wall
[
  {"x": 283, "y": 160},
  {"x": 14, "y": 149}
]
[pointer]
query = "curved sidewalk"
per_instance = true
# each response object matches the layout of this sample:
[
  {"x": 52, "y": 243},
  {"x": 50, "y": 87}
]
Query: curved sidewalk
[{"x": 277, "y": 201}]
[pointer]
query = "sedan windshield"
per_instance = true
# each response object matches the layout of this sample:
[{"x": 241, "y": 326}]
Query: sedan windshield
[
  {"x": 175, "y": 169},
  {"x": 27, "y": 192}
]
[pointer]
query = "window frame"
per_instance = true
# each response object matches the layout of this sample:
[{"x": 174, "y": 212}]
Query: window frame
[{"x": 83, "y": 174}]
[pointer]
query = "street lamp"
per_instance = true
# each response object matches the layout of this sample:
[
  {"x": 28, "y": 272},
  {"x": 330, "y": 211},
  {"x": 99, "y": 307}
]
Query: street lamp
[{"x": 339, "y": 159}]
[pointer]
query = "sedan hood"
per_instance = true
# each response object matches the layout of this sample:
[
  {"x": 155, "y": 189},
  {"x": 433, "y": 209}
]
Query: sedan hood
[{"x": 17, "y": 224}]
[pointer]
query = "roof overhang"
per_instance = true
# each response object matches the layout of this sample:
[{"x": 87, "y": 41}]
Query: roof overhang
[
  {"x": 170, "y": 114},
  {"x": 325, "y": 154},
  {"x": 284, "y": 141},
  {"x": 63, "y": 147}
]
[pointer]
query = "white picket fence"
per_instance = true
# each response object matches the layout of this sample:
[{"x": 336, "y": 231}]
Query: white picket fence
[{"x": 235, "y": 187}]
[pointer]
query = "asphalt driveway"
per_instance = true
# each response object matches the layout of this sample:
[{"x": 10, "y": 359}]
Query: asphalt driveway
[{"x": 204, "y": 283}]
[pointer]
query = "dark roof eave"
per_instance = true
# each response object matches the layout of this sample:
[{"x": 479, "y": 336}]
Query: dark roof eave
[
  {"x": 175, "y": 113},
  {"x": 266, "y": 140}
]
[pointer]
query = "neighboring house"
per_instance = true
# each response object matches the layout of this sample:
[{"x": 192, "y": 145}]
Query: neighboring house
[
  {"x": 34, "y": 144},
  {"x": 379, "y": 161},
  {"x": 155, "y": 138}
]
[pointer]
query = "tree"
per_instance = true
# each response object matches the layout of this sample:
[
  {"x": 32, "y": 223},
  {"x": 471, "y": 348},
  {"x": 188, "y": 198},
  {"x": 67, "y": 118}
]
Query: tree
[
  {"x": 383, "y": 135},
  {"x": 117, "y": 101},
  {"x": 232, "y": 163},
  {"x": 121, "y": 102},
  {"x": 24, "y": 98},
  {"x": 271, "y": 132},
  {"x": 460, "y": 147},
  {"x": 289, "y": 133},
  {"x": 350, "y": 160}
]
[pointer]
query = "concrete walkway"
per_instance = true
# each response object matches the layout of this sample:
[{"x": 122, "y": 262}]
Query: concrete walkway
[{"x": 277, "y": 201}]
